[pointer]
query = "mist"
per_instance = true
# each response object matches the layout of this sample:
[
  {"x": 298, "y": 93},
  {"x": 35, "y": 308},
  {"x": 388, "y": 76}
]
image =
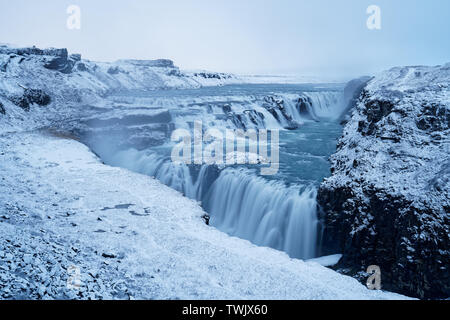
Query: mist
[{"x": 314, "y": 38}]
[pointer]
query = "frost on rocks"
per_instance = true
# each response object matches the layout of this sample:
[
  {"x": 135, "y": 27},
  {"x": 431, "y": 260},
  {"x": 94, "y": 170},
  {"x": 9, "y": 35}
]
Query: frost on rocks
[
  {"x": 387, "y": 202},
  {"x": 74, "y": 228},
  {"x": 130, "y": 237}
]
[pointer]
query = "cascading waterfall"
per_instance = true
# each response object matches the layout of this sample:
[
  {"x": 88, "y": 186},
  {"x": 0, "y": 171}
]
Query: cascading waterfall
[
  {"x": 326, "y": 104},
  {"x": 239, "y": 202},
  {"x": 177, "y": 176},
  {"x": 266, "y": 213}
]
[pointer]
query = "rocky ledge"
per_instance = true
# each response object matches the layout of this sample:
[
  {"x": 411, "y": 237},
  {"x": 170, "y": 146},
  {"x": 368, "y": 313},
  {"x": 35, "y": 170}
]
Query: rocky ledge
[{"x": 387, "y": 202}]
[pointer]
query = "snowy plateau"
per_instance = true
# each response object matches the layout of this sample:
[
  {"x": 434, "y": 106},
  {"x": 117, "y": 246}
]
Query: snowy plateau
[{"x": 128, "y": 236}]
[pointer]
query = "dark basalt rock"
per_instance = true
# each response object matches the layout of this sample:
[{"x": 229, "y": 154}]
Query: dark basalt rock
[
  {"x": 21, "y": 102},
  {"x": 434, "y": 118},
  {"x": 210, "y": 75},
  {"x": 206, "y": 218},
  {"x": 81, "y": 67},
  {"x": 369, "y": 219},
  {"x": 31, "y": 51},
  {"x": 375, "y": 111},
  {"x": 238, "y": 120},
  {"x": 410, "y": 244},
  {"x": 31, "y": 96},
  {"x": 304, "y": 106},
  {"x": 226, "y": 108},
  {"x": 4, "y": 66},
  {"x": 257, "y": 118},
  {"x": 37, "y": 96},
  {"x": 54, "y": 59},
  {"x": 174, "y": 72},
  {"x": 2, "y": 109},
  {"x": 75, "y": 57}
]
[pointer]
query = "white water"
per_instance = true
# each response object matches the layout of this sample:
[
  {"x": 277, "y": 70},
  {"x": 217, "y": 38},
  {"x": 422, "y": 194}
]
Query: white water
[
  {"x": 266, "y": 212},
  {"x": 239, "y": 202}
]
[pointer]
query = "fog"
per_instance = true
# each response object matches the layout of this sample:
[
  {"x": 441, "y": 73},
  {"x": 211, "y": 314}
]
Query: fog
[{"x": 315, "y": 38}]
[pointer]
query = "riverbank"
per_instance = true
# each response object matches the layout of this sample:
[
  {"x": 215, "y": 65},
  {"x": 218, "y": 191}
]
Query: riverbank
[{"x": 129, "y": 237}]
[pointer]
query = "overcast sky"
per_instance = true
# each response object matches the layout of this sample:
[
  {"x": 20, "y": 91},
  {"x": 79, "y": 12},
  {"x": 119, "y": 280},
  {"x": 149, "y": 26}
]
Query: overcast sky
[{"x": 320, "y": 37}]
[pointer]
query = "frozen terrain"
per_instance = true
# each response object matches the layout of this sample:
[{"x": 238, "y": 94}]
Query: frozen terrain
[
  {"x": 388, "y": 200},
  {"x": 128, "y": 235}
]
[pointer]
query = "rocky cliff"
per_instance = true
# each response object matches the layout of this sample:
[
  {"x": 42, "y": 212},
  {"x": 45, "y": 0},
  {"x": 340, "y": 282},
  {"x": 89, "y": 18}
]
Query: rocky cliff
[
  {"x": 387, "y": 202},
  {"x": 63, "y": 82}
]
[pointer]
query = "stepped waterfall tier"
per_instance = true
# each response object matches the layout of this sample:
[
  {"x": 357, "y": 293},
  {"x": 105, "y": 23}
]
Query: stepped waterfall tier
[
  {"x": 325, "y": 174},
  {"x": 278, "y": 211}
]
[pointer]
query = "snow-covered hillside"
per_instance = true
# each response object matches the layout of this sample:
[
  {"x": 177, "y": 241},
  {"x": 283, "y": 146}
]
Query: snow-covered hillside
[
  {"x": 72, "y": 82},
  {"x": 388, "y": 200},
  {"x": 62, "y": 211},
  {"x": 68, "y": 77},
  {"x": 130, "y": 237}
]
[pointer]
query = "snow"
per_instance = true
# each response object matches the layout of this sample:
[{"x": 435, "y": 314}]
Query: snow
[
  {"x": 327, "y": 261},
  {"x": 130, "y": 237},
  {"x": 287, "y": 79},
  {"x": 418, "y": 155},
  {"x": 394, "y": 157},
  {"x": 127, "y": 234}
]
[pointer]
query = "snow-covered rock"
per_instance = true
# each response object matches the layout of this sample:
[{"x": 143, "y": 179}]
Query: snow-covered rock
[
  {"x": 73, "y": 228},
  {"x": 71, "y": 82},
  {"x": 387, "y": 202},
  {"x": 59, "y": 73}
]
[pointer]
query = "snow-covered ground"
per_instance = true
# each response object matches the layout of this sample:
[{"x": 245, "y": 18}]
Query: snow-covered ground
[
  {"x": 63, "y": 211},
  {"x": 130, "y": 237},
  {"x": 287, "y": 79},
  {"x": 388, "y": 199}
]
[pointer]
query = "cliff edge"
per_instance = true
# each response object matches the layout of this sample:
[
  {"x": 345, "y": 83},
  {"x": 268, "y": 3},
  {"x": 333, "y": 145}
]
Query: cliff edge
[{"x": 387, "y": 202}]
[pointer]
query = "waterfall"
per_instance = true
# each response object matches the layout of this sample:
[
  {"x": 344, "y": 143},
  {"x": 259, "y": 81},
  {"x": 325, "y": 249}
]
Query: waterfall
[
  {"x": 239, "y": 202},
  {"x": 192, "y": 181},
  {"x": 265, "y": 212}
]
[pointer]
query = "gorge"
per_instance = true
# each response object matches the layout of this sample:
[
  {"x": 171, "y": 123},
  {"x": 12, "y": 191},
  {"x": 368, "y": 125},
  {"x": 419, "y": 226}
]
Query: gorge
[{"x": 382, "y": 199}]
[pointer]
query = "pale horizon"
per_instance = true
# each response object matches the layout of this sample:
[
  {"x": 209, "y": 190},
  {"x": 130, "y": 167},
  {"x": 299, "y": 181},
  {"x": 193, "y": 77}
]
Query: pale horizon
[{"x": 323, "y": 39}]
